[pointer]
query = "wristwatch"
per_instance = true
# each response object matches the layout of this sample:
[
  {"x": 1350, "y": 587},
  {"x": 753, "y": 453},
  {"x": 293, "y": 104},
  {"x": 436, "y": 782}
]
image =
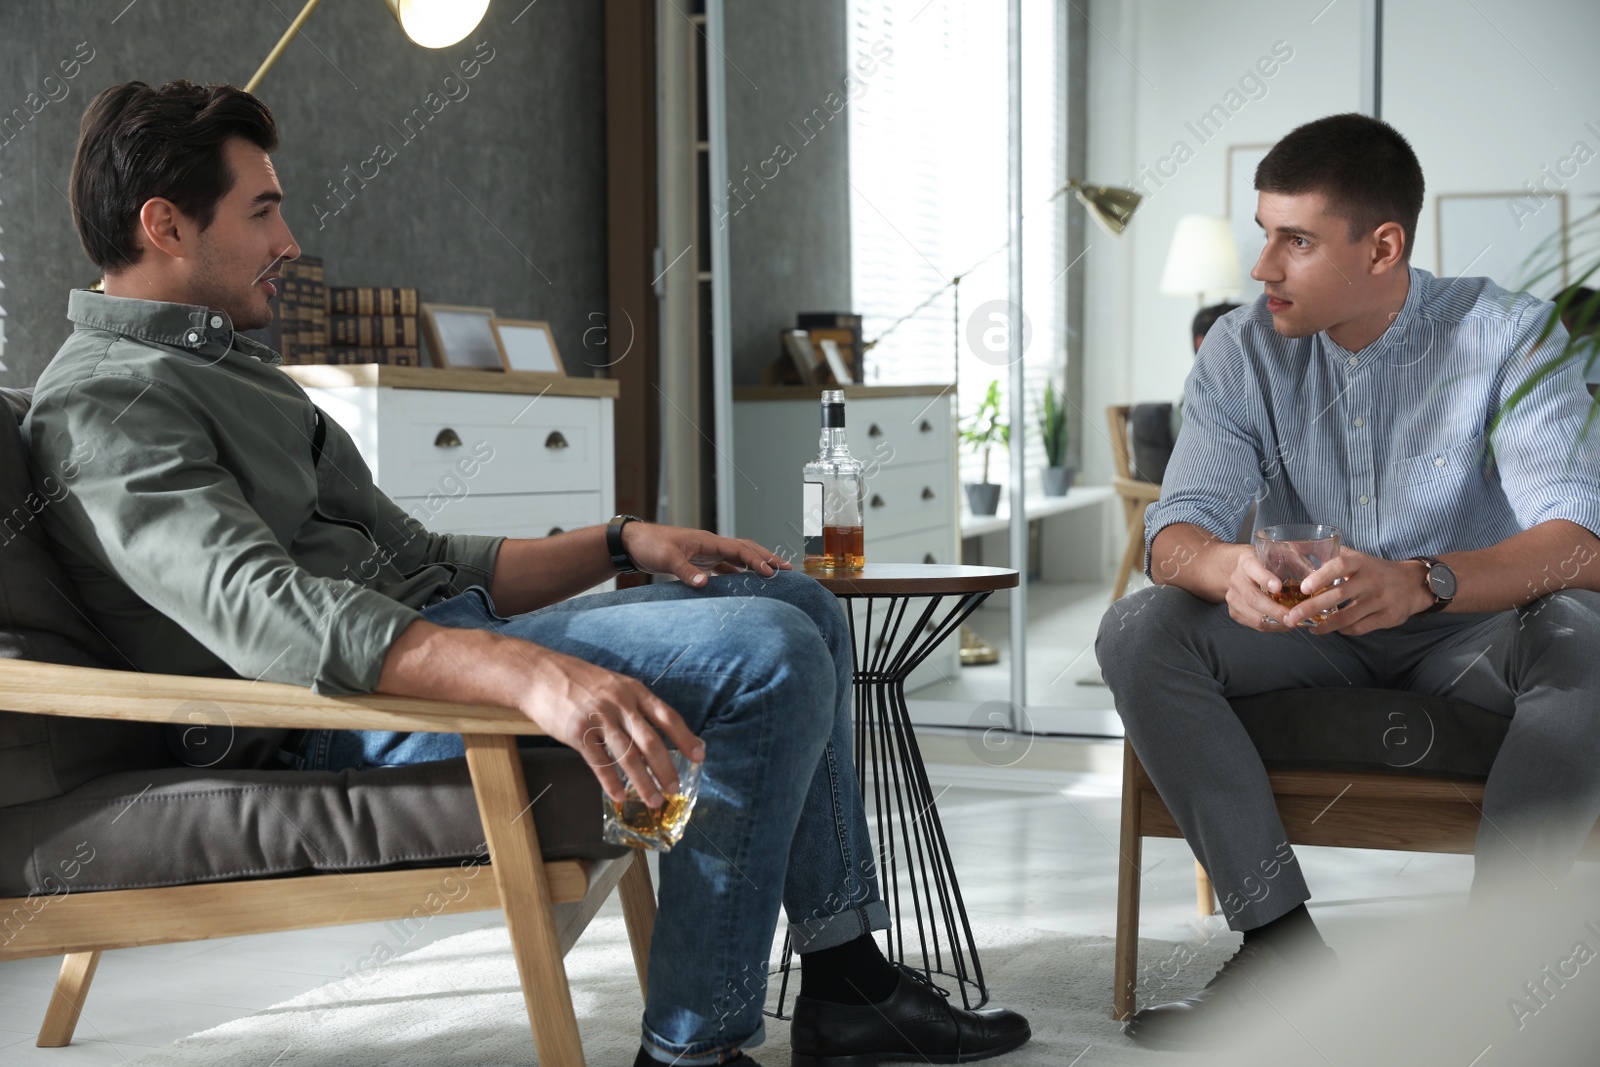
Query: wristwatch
[
  {"x": 1441, "y": 583},
  {"x": 619, "y": 555}
]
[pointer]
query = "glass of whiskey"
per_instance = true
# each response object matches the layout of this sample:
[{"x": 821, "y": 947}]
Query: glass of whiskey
[
  {"x": 1292, "y": 551},
  {"x": 634, "y": 824}
]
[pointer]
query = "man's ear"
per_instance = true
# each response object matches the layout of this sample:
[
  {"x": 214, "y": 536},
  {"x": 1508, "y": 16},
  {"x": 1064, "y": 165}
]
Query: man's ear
[
  {"x": 1388, "y": 247},
  {"x": 164, "y": 227}
]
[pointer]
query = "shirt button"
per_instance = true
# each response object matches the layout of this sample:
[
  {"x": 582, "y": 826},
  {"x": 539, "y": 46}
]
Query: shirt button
[
  {"x": 1359, "y": 422},
  {"x": 1439, "y": 461},
  {"x": 1353, "y": 361},
  {"x": 194, "y": 335},
  {"x": 1362, "y": 500},
  {"x": 216, "y": 322}
]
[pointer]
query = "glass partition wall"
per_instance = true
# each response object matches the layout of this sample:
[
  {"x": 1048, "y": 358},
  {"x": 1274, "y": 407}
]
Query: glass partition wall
[{"x": 962, "y": 250}]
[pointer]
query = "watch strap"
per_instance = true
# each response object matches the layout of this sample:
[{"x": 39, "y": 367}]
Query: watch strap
[{"x": 619, "y": 555}]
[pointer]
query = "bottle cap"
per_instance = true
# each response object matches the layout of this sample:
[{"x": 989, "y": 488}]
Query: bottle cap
[{"x": 832, "y": 410}]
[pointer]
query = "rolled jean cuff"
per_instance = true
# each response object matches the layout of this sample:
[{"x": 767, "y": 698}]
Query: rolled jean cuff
[
  {"x": 830, "y": 931},
  {"x": 701, "y": 1053}
]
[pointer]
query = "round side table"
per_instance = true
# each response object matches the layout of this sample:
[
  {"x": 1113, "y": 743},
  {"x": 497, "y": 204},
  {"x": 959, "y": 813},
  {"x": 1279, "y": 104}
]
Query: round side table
[{"x": 928, "y": 926}]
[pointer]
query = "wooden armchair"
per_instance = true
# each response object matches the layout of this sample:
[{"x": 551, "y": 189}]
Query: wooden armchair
[
  {"x": 1373, "y": 792},
  {"x": 1136, "y": 496},
  {"x": 546, "y": 904}
]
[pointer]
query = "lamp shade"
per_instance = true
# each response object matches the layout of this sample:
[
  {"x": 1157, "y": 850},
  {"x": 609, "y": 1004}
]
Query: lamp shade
[
  {"x": 438, "y": 23},
  {"x": 1203, "y": 258},
  {"x": 1109, "y": 205}
]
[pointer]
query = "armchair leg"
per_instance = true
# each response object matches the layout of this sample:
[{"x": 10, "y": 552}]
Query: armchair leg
[
  {"x": 1133, "y": 552},
  {"x": 518, "y": 867},
  {"x": 639, "y": 912},
  {"x": 1126, "y": 976},
  {"x": 66, "y": 1003},
  {"x": 1205, "y": 893}
]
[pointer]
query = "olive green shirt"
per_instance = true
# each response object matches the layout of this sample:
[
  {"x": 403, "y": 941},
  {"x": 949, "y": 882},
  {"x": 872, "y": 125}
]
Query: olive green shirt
[{"x": 194, "y": 525}]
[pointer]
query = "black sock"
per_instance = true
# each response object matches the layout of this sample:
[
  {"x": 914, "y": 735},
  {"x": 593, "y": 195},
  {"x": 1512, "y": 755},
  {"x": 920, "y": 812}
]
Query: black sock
[
  {"x": 852, "y": 973},
  {"x": 1291, "y": 932}
]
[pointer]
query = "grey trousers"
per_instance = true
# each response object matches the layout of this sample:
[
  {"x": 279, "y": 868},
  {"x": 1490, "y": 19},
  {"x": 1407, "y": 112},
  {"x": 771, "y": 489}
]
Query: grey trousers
[{"x": 1172, "y": 662}]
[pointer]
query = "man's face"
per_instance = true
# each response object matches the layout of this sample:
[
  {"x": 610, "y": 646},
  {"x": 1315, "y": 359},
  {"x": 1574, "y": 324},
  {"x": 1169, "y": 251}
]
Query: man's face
[
  {"x": 239, "y": 255},
  {"x": 1315, "y": 276}
]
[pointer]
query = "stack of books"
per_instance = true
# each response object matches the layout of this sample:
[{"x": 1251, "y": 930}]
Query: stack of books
[
  {"x": 299, "y": 328},
  {"x": 373, "y": 324},
  {"x": 844, "y": 329}
]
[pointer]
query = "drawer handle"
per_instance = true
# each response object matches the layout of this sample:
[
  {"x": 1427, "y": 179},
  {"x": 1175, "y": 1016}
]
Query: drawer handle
[
  {"x": 874, "y": 431},
  {"x": 926, "y": 427},
  {"x": 877, "y": 501},
  {"x": 555, "y": 530},
  {"x": 555, "y": 440},
  {"x": 927, "y": 493},
  {"x": 447, "y": 438},
  {"x": 927, "y": 557}
]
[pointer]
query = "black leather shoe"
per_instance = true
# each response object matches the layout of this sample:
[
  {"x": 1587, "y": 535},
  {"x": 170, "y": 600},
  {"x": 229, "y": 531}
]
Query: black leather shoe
[
  {"x": 1221, "y": 1014},
  {"x": 914, "y": 1023}
]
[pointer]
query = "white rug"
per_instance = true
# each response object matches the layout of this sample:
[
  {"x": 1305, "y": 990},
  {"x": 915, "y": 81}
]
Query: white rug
[{"x": 457, "y": 1001}]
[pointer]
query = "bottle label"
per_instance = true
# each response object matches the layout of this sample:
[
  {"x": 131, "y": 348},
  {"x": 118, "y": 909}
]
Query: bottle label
[{"x": 811, "y": 518}]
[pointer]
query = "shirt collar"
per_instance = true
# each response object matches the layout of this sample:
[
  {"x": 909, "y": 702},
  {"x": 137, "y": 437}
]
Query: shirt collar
[
  {"x": 1399, "y": 331},
  {"x": 202, "y": 330}
]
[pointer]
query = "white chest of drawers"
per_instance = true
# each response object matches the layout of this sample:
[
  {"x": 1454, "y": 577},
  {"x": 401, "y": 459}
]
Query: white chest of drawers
[
  {"x": 550, "y": 444},
  {"x": 906, "y": 438}
]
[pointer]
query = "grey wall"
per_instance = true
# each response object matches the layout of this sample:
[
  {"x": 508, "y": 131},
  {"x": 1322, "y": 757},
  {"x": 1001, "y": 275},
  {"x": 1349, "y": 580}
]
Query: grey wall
[
  {"x": 789, "y": 237},
  {"x": 522, "y": 229}
]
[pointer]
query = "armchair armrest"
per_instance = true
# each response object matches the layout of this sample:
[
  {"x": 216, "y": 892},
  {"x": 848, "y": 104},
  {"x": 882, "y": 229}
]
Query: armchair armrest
[{"x": 86, "y": 692}]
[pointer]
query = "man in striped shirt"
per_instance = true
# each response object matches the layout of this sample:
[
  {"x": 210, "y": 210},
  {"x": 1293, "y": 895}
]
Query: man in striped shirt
[{"x": 1361, "y": 392}]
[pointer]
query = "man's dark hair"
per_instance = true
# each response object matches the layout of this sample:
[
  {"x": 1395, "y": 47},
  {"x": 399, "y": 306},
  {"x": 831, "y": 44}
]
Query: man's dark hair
[
  {"x": 136, "y": 142},
  {"x": 1580, "y": 312},
  {"x": 1207, "y": 317},
  {"x": 1363, "y": 166}
]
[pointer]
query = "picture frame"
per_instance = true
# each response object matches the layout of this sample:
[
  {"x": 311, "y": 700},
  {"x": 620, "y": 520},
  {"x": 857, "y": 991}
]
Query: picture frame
[
  {"x": 462, "y": 337},
  {"x": 806, "y": 357},
  {"x": 835, "y": 360},
  {"x": 1516, "y": 240},
  {"x": 1240, "y": 203},
  {"x": 529, "y": 346}
]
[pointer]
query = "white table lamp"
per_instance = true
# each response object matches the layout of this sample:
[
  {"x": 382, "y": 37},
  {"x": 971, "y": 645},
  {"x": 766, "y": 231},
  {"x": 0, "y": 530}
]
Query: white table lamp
[{"x": 1202, "y": 259}]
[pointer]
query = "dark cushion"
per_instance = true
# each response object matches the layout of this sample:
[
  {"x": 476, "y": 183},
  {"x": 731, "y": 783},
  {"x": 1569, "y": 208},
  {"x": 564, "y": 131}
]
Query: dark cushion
[
  {"x": 41, "y": 618},
  {"x": 1149, "y": 441},
  {"x": 181, "y": 825},
  {"x": 1372, "y": 730}
]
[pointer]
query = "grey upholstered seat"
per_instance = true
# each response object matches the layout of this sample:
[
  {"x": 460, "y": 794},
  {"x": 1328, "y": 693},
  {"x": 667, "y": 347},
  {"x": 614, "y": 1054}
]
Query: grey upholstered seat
[
  {"x": 1372, "y": 730},
  {"x": 70, "y": 787}
]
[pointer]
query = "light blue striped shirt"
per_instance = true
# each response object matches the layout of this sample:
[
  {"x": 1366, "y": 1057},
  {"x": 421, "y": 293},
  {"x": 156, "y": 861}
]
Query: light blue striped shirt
[{"x": 1389, "y": 443}]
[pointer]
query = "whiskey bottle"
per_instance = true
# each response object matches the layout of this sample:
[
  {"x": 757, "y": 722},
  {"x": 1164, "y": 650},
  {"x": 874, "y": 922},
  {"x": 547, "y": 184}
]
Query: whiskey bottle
[{"x": 834, "y": 497}]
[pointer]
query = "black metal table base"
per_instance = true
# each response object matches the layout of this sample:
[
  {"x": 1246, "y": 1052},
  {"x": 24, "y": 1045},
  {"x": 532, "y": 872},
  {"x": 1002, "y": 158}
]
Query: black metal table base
[{"x": 928, "y": 926}]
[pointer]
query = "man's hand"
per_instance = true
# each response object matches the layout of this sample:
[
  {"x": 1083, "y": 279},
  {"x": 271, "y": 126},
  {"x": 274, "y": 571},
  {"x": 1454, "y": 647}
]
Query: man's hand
[
  {"x": 1248, "y": 599},
  {"x": 1381, "y": 593},
  {"x": 611, "y": 720},
  {"x": 692, "y": 555}
]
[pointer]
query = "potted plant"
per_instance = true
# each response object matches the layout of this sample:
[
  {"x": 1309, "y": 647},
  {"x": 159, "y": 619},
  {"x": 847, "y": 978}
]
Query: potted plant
[
  {"x": 1056, "y": 476},
  {"x": 983, "y": 431}
]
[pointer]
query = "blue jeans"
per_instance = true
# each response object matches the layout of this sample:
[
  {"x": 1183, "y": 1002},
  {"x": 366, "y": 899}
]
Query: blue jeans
[{"x": 759, "y": 668}]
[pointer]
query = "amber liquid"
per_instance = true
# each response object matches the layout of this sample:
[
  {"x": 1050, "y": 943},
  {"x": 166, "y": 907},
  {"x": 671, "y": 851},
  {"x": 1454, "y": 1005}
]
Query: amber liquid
[
  {"x": 1291, "y": 594},
  {"x": 844, "y": 548},
  {"x": 663, "y": 825}
]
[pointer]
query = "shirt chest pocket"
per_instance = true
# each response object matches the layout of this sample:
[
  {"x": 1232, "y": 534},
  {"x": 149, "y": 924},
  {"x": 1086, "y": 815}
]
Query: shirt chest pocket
[{"x": 1444, "y": 464}]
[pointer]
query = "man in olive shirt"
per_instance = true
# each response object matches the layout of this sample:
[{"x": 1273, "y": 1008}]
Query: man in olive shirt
[{"x": 222, "y": 526}]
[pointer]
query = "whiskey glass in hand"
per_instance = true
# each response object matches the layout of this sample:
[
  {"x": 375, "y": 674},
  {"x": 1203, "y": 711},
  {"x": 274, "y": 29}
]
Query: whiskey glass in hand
[
  {"x": 637, "y": 825},
  {"x": 1291, "y": 552}
]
